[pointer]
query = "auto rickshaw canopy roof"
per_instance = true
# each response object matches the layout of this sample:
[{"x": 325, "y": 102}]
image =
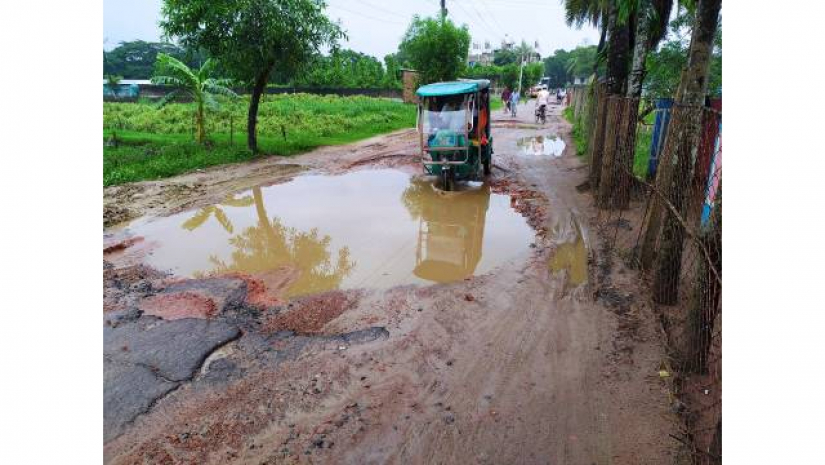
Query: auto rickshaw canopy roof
[{"x": 438, "y": 89}]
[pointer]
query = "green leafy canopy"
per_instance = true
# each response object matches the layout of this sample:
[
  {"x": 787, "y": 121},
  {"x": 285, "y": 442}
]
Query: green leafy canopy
[
  {"x": 251, "y": 38},
  {"x": 436, "y": 48}
]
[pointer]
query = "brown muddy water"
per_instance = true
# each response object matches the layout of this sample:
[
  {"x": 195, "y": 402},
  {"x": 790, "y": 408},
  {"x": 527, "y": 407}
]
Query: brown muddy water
[
  {"x": 316, "y": 233},
  {"x": 541, "y": 145},
  {"x": 570, "y": 255}
]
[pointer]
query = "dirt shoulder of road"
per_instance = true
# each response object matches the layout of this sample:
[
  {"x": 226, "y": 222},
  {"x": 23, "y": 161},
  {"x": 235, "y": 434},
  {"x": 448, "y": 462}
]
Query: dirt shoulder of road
[
  {"x": 525, "y": 364},
  {"x": 202, "y": 187}
]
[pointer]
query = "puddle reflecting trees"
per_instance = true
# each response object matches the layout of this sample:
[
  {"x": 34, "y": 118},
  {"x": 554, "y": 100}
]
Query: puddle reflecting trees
[
  {"x": 296, "y": 262},
  {"x": 208, "y": 211},
  {"x": 316, "y": 233}
]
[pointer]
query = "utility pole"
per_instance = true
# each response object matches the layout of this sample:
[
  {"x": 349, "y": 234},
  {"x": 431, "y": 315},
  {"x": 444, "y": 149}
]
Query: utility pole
[
  {"x": 443, "y": 9},
  {"x": 520, "y": 73}
]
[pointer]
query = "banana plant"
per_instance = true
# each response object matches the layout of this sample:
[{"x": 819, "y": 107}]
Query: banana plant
[{"x": 198, "y": 84}]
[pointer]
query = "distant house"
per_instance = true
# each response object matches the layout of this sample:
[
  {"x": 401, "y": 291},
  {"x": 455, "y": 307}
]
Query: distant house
[
  {"x": 133, "y": 88},
  {"x": 480, "y": 59}
]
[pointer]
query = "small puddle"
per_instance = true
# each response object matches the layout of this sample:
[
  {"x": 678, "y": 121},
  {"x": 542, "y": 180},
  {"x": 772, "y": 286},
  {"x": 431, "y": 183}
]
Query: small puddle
[
  {"x": 541, "y": 145},
  {"x": 375, "y": 228},
  {"x": 571, "y": 256}
]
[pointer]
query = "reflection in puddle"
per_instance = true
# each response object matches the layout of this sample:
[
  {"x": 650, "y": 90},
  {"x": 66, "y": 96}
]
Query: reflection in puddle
[
  {"x": 571, "y": 256},
  {"x": 376, "y": 228},
  {"x": 541, "y": 145}
]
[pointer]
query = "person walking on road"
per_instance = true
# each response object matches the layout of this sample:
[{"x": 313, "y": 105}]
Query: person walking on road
[
  {"x": 505, "y": 98},
  {"x": 514, "y": 98}
]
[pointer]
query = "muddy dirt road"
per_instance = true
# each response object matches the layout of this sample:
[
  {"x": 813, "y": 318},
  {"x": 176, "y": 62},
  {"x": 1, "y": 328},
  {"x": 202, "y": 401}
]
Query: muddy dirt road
[{"x": 543, "y": 355}]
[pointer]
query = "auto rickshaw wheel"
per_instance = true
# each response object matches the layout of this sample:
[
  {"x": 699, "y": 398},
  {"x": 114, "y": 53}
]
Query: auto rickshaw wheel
[
  {"x": 486, "y": 162},
  {"x": 448, "y": 178}
]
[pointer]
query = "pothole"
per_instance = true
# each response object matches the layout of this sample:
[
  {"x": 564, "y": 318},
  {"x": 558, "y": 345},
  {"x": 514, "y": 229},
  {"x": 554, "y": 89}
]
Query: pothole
[
  {"x": 541, "y": 145},
  {"x": 317, "y": 233}
]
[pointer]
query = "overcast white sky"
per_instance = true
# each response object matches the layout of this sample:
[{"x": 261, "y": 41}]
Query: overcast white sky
[{"x": 375, "y": 27}]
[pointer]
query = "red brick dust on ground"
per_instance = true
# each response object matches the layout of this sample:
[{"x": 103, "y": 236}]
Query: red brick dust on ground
[
  {"x": 309, "y": 315},
  {"x": 179, "y": 305},
  {"x": 121, "y": 245},
  {"x": 527, "y": 202},
  {"x": 267, "y": 289}
]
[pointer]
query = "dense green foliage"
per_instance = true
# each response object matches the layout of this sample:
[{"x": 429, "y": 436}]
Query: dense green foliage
[
  {"x": 252, "y": 37},
  {"x": 579, "y": 136},
  {"x": 508, "y": 75},
  {"x": 563, "y": 67},
  {"x": 665, "y": 67},
  {"x": 136, "y": 59},
  {"x": 436, "y": 48},
  {"x": 155, "y": 143},
  {"x": 349, "y": 69}
]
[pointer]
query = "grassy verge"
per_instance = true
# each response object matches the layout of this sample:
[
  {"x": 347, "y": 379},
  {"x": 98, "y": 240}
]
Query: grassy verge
[
  {"x": 644, "y": 135},
  {"x": 156, "y": 143},
  {"x": 579, "y": 137}
]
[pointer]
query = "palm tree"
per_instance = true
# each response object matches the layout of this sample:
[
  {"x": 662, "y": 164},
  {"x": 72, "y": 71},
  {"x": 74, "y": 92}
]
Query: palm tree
[
  {"x": 593, "y": 12},
  {"x": 198, "y": 84}
]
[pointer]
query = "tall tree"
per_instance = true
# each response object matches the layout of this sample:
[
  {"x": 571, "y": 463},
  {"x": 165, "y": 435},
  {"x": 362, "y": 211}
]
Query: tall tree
[
  {"x": 200, "y": 85},
  {"x": 650, "y": 19},
  {"x": 582, "y": 62},
  {"x": 593, "y": 12},
  {"x": 252, "y": 39},
  {"x": 651, "y": 28},
  {"x": 618, "y": 48},
  {"x": 556, "y": 67},
  {"x": 436, "y": 48},
  {"x": 686, "y": 137}
]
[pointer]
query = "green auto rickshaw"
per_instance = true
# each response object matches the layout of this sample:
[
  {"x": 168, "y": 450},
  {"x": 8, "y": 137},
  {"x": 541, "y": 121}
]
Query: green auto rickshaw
[{"x": 454, "y": 130}]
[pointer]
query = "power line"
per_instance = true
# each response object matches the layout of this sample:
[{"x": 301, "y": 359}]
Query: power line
[
  {"x": 492, "y": 16},
  {"x": 470, "y": 19},
  {"x": 480, "y": 17}
]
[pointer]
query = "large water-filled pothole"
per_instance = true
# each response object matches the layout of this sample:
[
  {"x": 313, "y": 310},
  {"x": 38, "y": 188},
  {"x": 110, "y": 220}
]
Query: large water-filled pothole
[
  {"x": 541, "y": 145},
  {"x": 316, "y": 233}
]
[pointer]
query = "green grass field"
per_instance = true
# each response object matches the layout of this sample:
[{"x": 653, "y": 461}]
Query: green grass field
[{"x": 154, "y": 143}]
